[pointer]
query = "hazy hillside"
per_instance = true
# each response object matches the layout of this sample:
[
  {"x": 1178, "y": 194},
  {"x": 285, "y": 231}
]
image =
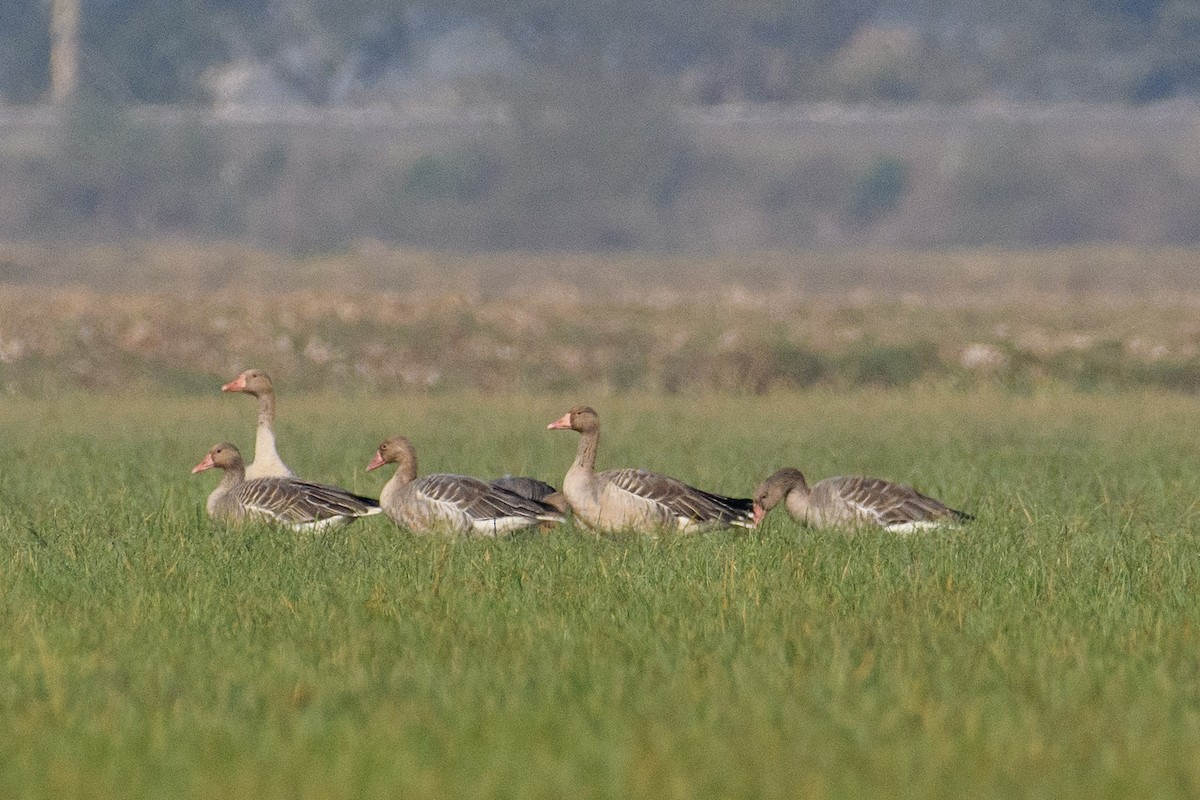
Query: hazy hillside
[
  {"x": 616, "y": 125},
  {"x": 607, "y": 176}
]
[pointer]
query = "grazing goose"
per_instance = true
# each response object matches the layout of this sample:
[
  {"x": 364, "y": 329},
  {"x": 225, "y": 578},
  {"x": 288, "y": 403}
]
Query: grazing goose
[
  {"x": 635, "y": 499},
  {"x": 451, "y": 503},
  {"x": 852, "y": 501},
  {"x": 267, "y": 462},
  {"x": 299, "y": 505}
]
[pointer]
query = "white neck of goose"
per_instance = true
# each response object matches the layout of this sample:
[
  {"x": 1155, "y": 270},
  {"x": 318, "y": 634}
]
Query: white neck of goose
[{"x": 264, "y": 436}]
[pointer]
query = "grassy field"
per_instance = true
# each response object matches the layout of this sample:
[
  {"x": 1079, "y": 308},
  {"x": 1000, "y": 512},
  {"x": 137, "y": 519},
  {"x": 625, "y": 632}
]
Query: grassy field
[{"x": 1048, "y": 650}]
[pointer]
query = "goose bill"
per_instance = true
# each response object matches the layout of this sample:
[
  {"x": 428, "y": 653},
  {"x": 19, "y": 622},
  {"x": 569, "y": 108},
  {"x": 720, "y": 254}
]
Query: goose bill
[{"x": 207, "y": 463}]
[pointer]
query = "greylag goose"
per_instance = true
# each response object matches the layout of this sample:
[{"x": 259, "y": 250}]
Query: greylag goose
[
  {"x": 636, "y": 499},
  {"x": 852, "y": 501},
  {"x": 451, "y": 503},
  {"x": 299, "y": 505},
  {"x": 267, "y": 462}
]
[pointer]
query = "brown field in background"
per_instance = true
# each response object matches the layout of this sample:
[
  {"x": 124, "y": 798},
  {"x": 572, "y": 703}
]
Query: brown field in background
[{"x": 179, "y": 316}]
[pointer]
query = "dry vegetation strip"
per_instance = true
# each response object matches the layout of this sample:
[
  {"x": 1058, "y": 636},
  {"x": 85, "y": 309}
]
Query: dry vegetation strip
[
  {"x": 961, "y": 277},
  {"x": 507, "y": 322}
]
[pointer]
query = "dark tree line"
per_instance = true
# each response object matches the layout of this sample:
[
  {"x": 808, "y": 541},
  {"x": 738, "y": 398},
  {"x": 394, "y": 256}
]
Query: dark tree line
[
  {"x": 159, "y": 51},
  {"x": 595, "y": 151}
]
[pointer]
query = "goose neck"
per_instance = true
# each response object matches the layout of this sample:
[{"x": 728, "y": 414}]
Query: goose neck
[
  {"x": 585, "y": 455},
  {"x": 266, "y": 410}
]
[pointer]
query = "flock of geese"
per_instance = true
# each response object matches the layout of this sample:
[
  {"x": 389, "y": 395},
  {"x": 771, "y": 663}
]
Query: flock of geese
[{"x": 616, "y": 500}]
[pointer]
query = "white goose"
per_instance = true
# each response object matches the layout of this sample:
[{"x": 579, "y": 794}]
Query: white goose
[
  {"x": 636, "y": 499},
  {"x": 451, "y": 503},
  {"x": 849, "y": 501},
  {"x": 267, "y": 462},
  {"x": 296, "y": 504}
]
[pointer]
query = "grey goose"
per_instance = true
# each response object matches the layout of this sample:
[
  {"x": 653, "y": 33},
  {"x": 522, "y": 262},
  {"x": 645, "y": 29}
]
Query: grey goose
[
  {"x": 456, "y": 504},
  {"x": 637, "y": 499},
  {"x": 267, "y": 462},
  {"x": 849, "y": 501},
  {"x": 297, "y": 504}
]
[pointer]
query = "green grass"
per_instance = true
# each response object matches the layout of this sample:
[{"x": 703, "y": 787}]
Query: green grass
[{"x": 1048, "y": 650}]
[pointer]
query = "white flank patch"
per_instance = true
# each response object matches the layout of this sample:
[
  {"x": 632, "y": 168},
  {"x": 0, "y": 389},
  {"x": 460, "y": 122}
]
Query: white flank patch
[
  {"x": 913, "y": 527},
  {"x": 498, "y": 525},
  {"x": 321, "y": 524}
]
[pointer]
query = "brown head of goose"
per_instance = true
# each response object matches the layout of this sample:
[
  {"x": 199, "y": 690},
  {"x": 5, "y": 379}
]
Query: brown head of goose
[
  {"x": 297, "y": 504},
  {"x": 267, "y": 462},
  {"x": 849, "y": 501},
  {"x": 451, "y": 503},
  {"x": 637, "y": 499}
]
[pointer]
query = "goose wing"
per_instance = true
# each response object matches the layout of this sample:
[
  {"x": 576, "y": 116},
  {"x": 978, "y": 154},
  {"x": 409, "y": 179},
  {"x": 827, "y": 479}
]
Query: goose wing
[
  {"x": 682, "y": 501},
  {"x": 483, "y": 501},
  {"x": 891, "y": 504},
  {"x": 523, "y": 486},
  {"x": 302, "y": 503}
]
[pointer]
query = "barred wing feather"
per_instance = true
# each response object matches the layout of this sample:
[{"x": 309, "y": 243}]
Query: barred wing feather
[
  {"x": 892, "y": 505},
  {"x": 483, "y": 501},
  {"x": 681, "y": 500},
  {"x": 302, "y": 504}
]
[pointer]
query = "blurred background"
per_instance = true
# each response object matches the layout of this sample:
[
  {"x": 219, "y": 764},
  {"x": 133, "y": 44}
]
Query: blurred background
[
  {"x": 307, "y": 126},
  {"x": 623, "y": 195}
]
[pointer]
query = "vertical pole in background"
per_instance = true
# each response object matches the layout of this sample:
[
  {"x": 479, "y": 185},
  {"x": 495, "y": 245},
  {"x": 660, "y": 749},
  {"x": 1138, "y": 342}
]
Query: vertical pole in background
[{"x": 64, "y": 49}]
